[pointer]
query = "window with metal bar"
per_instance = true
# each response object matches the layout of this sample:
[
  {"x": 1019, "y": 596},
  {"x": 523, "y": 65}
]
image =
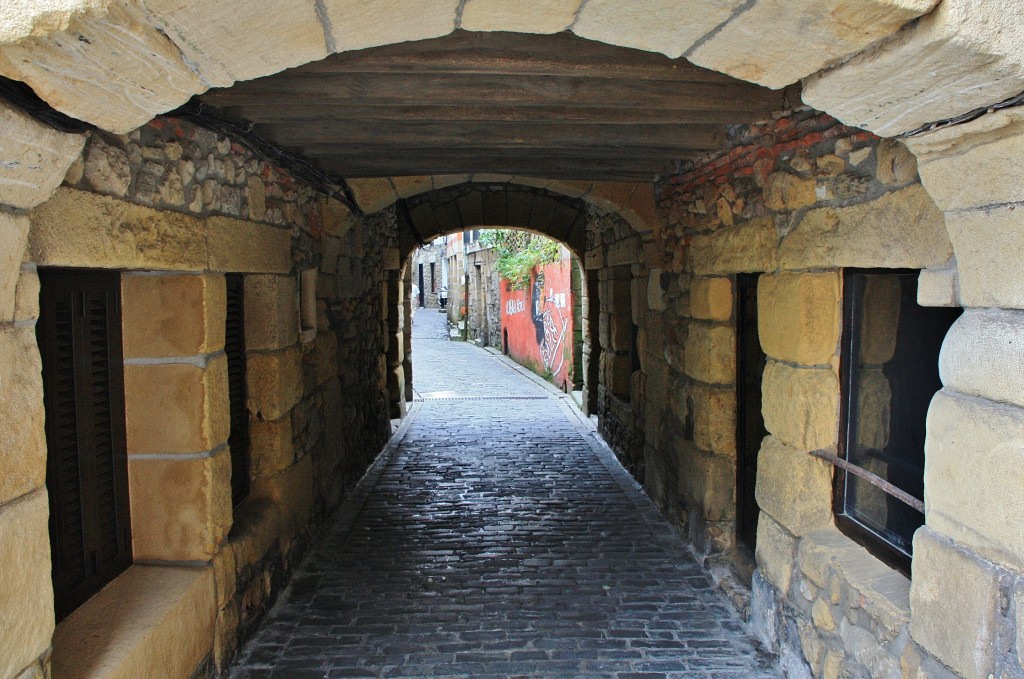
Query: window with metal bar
[{"x": 889, "y": 372}]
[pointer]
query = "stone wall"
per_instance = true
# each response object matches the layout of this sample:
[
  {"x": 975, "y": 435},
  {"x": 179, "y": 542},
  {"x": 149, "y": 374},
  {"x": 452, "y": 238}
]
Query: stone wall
[{"x": 175, "y": 207}]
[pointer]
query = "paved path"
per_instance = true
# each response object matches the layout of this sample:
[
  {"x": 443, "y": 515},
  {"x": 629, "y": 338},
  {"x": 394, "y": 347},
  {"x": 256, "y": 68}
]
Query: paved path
[{"x": 497, "y": 538}]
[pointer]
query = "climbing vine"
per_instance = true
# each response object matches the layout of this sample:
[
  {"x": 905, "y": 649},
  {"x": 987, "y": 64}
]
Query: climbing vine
[{"x": 518, "y": 253}]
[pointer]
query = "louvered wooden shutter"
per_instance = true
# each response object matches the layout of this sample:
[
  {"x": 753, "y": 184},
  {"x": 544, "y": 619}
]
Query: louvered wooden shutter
[
  {"x": 79, "y": 333},
  {"x": 234, "y": 347}
]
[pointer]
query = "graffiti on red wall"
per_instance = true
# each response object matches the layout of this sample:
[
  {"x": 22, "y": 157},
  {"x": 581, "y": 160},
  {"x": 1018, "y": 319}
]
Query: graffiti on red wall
[{"x": 537, "y": 323}]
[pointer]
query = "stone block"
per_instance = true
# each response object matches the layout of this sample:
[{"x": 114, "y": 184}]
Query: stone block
[
  {"x": 749, "y": 247},
  {"x": 102, "y": 62},
  {"x": 33, "y": 157},
  {"x": 981, "y": 149},
  {"x": 245, "y": 247},
  {"x": 252, "y": 40},
  {"x": 990, "y": 261},
  {"x": 707, "y": 483},
  {"x": 271, "y": 448},
  {"x": 275, "y": 382},
  {"x": 784, "y": 191},
  {"x": 714, "y": 418},
  {"x": 973, "y": 60},
  {"x": 172, "y": 315},
  {"x": 938, "y": 288},
  {"x": 655, "y": 292},
  {"x": 711, "y": 353},
  {"x": 106, "y": 168},
  {"x": 78, "y": 228},
  {"x": 176, "y": 408},
  {"x": 410, "y": 186},
  {"x": 775, "y": 553},
  {"x": 896, "y": 165},
  {"x": 983, "y": 355},
  {"x": 26, "y": 595},
  {"x": 164, "y": 616},
  {"x": 801, "y": 405},
  {"x": 952, "y": 591},
  {"x": 798, "y": 316},
  {"x": 26, "y": 294},
  {"x": 711, "y": 299},
  {"x": 652, "y": 25},
  {"x": 355, "y": 24},
  {"x": 225, "y": 574},
  {"x": 982, "y": 509},
  {"x": 537, "y": 16},
  {"x": 271, "y": 312},
  {"x": 802, "y": 41},
  {"x": 292, "y": 491},
  {"x": 181, "y": 508},
  {"x": 794, "y": 488},
  {"x": 22, "y": 437},
  {"x": 326, "y": 356},
  {"x": 902, "y": 229},
  {"x": 620, "y": 331},
  {"x": 338, "y": 218},
  {"x": 13, "y": 244},
  {"x": 618, "y": 374}
]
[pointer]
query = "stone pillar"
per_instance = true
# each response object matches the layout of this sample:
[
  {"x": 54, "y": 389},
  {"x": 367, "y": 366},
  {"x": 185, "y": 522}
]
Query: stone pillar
[
  {"x": 33, "y": 160},
  {"x": 176, "y": 414},
  {"x": 968, "y": 557},
  {"x": 395, "y": 309}
]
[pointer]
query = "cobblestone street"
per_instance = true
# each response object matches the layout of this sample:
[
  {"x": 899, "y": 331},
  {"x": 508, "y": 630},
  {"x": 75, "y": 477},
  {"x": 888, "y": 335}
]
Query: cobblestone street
[{"x": 496, "y": 537}]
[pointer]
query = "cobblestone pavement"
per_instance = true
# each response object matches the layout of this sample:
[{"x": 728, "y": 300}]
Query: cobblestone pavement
[{"x": 496, "y": 537}]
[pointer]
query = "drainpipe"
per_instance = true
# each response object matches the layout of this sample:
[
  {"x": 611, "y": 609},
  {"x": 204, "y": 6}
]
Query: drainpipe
[{"x": 465, "y": 285}]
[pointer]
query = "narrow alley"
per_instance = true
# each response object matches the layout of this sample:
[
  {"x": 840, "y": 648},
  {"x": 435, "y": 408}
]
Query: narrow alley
[{"x": 496, "y": 538}]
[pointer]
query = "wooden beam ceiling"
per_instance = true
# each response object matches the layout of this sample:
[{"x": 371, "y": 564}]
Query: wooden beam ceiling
[{"x": 552, "y": 106}]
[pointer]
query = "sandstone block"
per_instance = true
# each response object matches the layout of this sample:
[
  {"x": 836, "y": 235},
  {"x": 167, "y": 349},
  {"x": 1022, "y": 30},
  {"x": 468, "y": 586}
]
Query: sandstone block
[
  {"x": 798, "y": 316},
  {"x": 707, "y": 483},
  {"x": 107, "y": 168},
  {"x": 618, "y": 375},
  {"x": 244, "y": 247},
  {"x": 13, "y": 243},
  {"x": 175, "y": 408},
  {"x": 103, "y": 62},
  {"x": 77, "y": 228},
  {"x": 714, "y": 418},
  {"x": 982, "y": 509},
  {"x": 172, "y": 315},
  {"x": 357, "y": 25},
  {"x": 655, "y": 293},
  {"x": 620, "y": 331},
  {"x": 373, "y": 194},
  {"x": 775, "y": 552},
  {"x": 651, "y": 25},
  {"x": 252, "y": 40},
  {"x": 711, "y": 353},
  {"x": 981, "y": 149},
  {"x": 410, "y": 186},
  {"x": 292, "y": 491},
  {"x": 802, "y": 41},
  {"x": 26, "y": 612},
  {"x": 275, "y": 382},
  {"x": 938, "y": 288},
  {"x": 22, "y": 437},
  {"x": 165, "y": 619},
  {"x": 181, "y": 509},
  {"x": 539, "y": 16},
  {"x": 750, "y": 247},
  {"x": 26, "y": 295},
  {"x": 225, "y": 574},
  {"x": 990, "y": 261},
  {"x": 784, "y": 191},
  {"x": 896, "y": 164},
  {"x": 983, "y": 355},
  {"x": 801, "y": 405},
  {"x": 794, "y": 488},
  {"x": 33, "y": 157},
  {"x": 271, "y": 312},
  {"x": 974, "y": 60},
  {"x": 901, "y": 229},
  {"x": 952, "y": 591},
  {"x": 271, "y": 446},
  {"x": 711, "y": 298}
]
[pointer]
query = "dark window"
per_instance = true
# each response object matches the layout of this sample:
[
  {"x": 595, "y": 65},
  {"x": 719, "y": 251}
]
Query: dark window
[
  {"x": 234, "y": 347},
  {"x": 750, "y": 430},
  {"x": 79, "y": 334},
  {"x": 889, "y": 374}
]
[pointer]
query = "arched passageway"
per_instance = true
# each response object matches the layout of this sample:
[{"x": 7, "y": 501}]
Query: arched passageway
[{"x": 186, "y": 215}]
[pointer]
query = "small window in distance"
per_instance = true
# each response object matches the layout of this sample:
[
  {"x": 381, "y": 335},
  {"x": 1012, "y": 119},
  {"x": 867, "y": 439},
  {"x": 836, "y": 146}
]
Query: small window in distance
[
  {"x": 307, "y": 304},
  {"x": 890, "y": 372}
]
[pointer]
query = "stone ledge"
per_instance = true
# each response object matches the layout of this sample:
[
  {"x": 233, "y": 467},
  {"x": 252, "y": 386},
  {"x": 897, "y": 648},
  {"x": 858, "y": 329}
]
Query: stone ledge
[{"x": 149, "y": 622}]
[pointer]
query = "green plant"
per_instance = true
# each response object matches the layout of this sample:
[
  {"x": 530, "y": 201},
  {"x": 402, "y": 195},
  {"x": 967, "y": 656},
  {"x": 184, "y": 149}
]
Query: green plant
[{"x": 519, "y": 253}]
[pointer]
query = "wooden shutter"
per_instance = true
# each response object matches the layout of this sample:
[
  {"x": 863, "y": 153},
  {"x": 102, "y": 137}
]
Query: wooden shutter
[
  {"x": 79, "y": 333},
  {"x": 234, "y": 347}
]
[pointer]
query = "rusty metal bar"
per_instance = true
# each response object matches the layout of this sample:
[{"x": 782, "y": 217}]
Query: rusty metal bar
[{"x": 873, "y": 479}]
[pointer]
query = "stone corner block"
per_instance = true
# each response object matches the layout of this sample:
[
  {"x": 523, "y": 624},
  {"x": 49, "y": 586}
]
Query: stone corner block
[
  {"x": 373, "y": 193},
  {"x": 990, "y": 261},
  {"x": 952, "y": 591},
  {"x": 248, "y": 247},
  {"x": 271, "y": 312},
  {"x": 22, "y": 437},
  {"x": 33, "y": 158},
  {"x": 801, "y": 405},
  {"x": 775, "y": 553},
  {"x": 793, "y": 487},
  {"x": 172, "y": 314},
  {"x": 710, "y": 353},
  {"x": 938, "y": 288},
  {"x": 275, "y": 382},
  {"x": 798, "y": 316},
  {"x": 711, "y": 299}
]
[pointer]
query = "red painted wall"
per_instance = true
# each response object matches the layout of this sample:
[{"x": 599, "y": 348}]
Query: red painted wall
[{"x": 536, "y": 323}]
